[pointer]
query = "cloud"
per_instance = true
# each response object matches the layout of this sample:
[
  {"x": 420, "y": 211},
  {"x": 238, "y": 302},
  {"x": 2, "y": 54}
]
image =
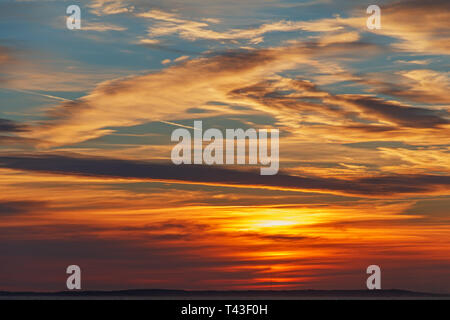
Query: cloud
[
  {"x": 6, "y": 55},
  {"x": 213, "y": 175},
  {"x": 423, "y": 26},
  {"x": 423, "y": 85},
  {"x": 182, "y": 58},
  {"x": 101, "y": 27},
  {"x": 419, "y": 26},
  {"x": 11, "y": 126},
  {"x": 149, "y": 41},
  {"x": 27, "y": 70},
  {"x": 420, "y": 160},
  {"x": 170, "y": 23},
  {"x": 14, "y": 208},
  {"x": 110, "y": 7},
  {"x": 419, "y": 62},
  {"x": 168, "y": 94},
  {"x": 394, "y": 112},
  {"x": 333, "y": 109},
  {"x": 152, "y": 96}
]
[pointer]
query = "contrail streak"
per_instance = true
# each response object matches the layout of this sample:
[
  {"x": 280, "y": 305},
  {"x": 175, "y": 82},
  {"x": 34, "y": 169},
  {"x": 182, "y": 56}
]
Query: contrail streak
[
  {"x": 64, "y": 99},
  {"x": 39, "y": 94},
  {"x": 178, "y": 125}
]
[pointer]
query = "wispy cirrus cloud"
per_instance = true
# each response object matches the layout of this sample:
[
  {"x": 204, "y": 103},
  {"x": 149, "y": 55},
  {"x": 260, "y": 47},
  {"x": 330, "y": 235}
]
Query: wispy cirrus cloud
[
  {"x": 171, "y": 23},
  {"x": 223, "y": 77},
  {"x": 428, "y": 34},
  {"x": 394, "y": 112},
  {"x": 6, "y": 55},
  {"x": 101, "y": 27},
  {"x": 110, "y": 7},
  {"x": 424, "y": 85}
]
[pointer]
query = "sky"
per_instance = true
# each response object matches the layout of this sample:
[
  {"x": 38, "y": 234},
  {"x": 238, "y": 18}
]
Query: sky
[{"x": 86, "y": 118}]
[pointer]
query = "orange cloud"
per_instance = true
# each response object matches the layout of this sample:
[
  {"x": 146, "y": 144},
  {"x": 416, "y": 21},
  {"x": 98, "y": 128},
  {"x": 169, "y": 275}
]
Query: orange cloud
[{"x": 170, "y": 23}]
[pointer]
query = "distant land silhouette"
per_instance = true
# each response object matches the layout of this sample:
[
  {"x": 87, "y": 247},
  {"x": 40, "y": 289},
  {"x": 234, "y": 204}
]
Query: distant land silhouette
[{"x": 161, "y": 294}]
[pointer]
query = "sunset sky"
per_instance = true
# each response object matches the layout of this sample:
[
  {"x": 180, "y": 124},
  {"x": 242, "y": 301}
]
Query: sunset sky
[{"x": 86, "y": 118}]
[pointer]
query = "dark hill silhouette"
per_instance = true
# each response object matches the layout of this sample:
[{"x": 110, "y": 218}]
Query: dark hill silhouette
[{"x": 250, "y": 294}]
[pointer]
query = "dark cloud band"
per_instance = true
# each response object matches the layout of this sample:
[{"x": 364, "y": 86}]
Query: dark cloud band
[{"x": 114, "y": 168}]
